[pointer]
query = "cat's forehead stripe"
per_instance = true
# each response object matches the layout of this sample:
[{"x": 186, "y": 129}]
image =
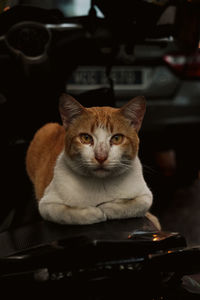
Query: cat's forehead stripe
[
  {"x": 102, "y": 119},
  {"x": 104, "y": 124}
]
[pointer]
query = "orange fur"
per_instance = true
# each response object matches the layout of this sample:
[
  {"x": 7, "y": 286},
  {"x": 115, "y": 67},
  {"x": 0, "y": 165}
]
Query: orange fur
[{"x": 42, "y": 153}]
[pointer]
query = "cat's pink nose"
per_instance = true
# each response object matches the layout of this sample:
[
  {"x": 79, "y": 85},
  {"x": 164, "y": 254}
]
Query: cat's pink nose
[{"x": 101, "y": 158}]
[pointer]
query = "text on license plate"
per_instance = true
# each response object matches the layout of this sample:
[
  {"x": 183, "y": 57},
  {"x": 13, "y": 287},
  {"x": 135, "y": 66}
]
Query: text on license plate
[{"x": 97, "y": 76}]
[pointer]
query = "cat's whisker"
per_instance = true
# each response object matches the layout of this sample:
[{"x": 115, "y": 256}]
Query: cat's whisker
[{"x": 149, "y": 169}]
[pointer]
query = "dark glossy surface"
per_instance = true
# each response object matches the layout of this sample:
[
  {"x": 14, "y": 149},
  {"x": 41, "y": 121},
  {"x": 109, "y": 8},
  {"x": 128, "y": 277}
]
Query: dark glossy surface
[
  {"x": 56, "y": 247},
  {"x": 42, "y": 232}
]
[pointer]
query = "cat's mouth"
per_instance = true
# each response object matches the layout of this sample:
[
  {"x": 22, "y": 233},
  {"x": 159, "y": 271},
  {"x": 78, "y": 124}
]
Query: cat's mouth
[{"x": 101, "y": 169}]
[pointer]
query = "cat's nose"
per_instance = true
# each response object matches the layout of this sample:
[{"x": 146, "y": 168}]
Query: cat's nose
[{"x": 101, "y": 158}]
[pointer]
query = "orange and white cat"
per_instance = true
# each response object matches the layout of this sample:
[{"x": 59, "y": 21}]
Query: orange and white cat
[{"x": 88, "y": 170}]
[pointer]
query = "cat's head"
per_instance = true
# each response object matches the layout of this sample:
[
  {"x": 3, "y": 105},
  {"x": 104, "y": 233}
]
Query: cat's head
[{"x": 101, "y": 141}]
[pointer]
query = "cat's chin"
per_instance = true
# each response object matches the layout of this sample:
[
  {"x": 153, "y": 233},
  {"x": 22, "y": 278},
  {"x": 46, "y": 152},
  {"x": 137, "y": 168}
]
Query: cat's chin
[
  {"x": 101, "y": 172},
  {"x": 106, "y": 172}
]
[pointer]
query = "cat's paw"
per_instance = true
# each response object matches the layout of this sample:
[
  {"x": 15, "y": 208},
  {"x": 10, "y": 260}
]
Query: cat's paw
[
  {"x": 127, "y": 208},
  {"x": 63, "y": 214},
  {"x": 90, "y": 215},
  {"x": 112, "y": 210}
]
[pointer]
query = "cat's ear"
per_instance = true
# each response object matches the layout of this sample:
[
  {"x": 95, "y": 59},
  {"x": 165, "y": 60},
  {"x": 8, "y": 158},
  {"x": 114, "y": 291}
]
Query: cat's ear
[
  {"x": 134, "y": 110},
  {"x": 69, "y": 109}
]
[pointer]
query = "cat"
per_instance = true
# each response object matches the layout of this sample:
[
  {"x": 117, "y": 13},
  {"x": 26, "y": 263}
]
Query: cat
[{"x": 87, "y": 170}]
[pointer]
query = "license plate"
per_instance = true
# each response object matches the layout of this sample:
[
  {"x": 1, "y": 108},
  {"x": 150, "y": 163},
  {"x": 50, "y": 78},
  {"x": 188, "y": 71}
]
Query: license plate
[{"x": 93, "y": 77}]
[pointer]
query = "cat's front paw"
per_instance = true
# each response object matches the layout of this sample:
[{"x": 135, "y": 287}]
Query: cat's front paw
[
  {"x": 112, "y": 210},
  {"x": 90, "y": 215},
  {"x": 126, "y": 208},
  {"x": 64, "y": 214}
]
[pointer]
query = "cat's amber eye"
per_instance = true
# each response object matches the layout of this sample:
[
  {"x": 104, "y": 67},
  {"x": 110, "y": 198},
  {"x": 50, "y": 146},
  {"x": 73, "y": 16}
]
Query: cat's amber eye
[
  {"x": 86, "y": 138},
  {"x": 117, "y": 139}
]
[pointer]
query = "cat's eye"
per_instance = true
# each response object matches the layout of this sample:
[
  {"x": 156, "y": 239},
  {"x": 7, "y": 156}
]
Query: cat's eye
[
  {"x": 117, "y": 139},
  {"x": 86, "y": 138}
]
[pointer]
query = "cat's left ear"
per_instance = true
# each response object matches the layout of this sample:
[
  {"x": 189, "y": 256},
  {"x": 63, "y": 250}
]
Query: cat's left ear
[
  {"x": 134, "y": 110},
  {"x": 69, "y": 109}
]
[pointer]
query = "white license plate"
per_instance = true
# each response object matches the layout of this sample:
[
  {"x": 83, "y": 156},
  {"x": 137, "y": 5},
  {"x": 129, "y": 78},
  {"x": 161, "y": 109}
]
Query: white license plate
[{"x": 93, "y": 77}]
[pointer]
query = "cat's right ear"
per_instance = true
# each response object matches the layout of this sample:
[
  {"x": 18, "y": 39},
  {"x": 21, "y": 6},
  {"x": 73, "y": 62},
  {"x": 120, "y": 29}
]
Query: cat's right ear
[{"x": 69, "y": 109}]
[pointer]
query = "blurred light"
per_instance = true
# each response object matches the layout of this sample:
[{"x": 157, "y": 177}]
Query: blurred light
[
  {"x": 184, "y": 65},
  {"x": 78, "y": 8},
  {"x": 175, "y": 60},
  {"x": 6, "y": 8}
]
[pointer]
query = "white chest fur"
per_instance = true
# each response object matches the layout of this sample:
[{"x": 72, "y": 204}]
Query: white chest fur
[{"x": 75, "y": 190}]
